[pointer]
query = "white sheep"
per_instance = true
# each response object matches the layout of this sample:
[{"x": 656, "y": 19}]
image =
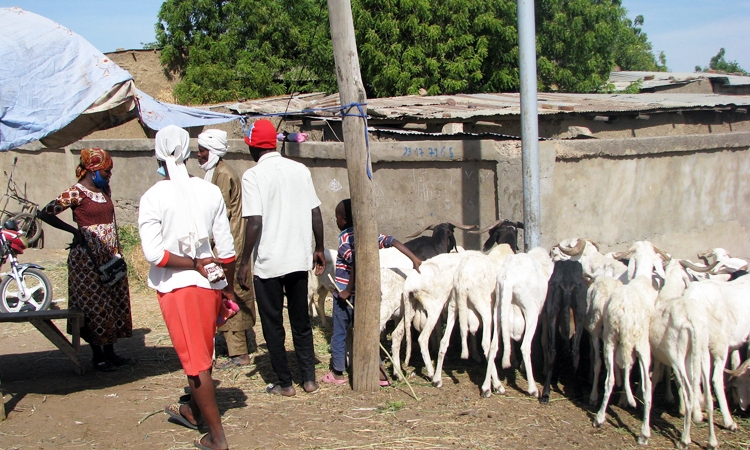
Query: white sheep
[
  {"x": 472, "y": 299},
  {"x": 425, "y": 295},
  {"x": 728, "y": 310},
  {"x": 522, "y": 281},
  {"x": 679, "y": 337},
  {"x": 626, "y": 330}
]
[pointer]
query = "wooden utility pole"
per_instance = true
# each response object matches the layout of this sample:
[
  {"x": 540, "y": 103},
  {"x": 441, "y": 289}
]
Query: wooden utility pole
[{"x": 365, "y": 354}]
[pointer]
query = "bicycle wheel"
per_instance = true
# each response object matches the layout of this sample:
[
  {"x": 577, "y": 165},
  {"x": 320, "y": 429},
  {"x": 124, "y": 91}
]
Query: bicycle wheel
[
  {"x": 30, "y": 225},
  {"x": 38, "y": 292}
]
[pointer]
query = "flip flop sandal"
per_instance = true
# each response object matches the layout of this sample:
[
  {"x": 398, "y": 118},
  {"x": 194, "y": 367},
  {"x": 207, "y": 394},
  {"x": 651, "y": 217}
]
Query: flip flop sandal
[
  {"x": 173, "y": 411},
  {"x": 104, "y": 366},
  {"x": 230, "y": 363},
  {"x": 331, "y": 379},
  {"x": 197, "y": 443}
]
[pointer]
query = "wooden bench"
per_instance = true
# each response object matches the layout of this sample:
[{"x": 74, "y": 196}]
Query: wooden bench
[{"x": 42, "y": 320}]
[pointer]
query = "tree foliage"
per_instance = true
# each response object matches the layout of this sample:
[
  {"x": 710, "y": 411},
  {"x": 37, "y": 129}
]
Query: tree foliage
[
  {"x": 633, "y": 51},
  {"x": 719, "y": 64},
  {"x": 234, "y": 49}
]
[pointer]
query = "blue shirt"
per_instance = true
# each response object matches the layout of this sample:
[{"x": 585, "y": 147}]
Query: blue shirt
[{"x": 345, "y": 257}]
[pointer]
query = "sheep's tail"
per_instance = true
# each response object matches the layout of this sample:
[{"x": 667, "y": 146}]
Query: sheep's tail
[{"x": 505, "y": 296}]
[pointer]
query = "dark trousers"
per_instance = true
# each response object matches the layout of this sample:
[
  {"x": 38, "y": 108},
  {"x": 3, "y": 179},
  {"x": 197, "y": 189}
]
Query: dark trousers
[{"x": 269, "y": 293}]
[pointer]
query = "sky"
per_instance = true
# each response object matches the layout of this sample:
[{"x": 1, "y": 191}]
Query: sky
[{"x": 689, "y": 32}]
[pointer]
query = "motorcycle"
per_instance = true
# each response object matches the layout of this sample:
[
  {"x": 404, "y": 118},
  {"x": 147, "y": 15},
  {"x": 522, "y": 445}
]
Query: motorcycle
[{"x": 24, "y": 287}]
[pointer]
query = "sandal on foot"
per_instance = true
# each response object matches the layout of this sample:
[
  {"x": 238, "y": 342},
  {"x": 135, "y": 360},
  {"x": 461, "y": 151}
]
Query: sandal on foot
[
  {"x": 331, "y": 379},
  {"x": 198, "y": 443},
  {"x": 276, "y": 389},
  {"x": 175, "y": 416},
  {"x": 231, "y": 363},
  {"x": 104, "y": 366}
]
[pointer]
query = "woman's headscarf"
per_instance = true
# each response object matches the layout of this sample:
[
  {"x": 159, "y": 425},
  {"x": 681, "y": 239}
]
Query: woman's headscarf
[
  {"x": 93, "y": 159},
  {"x": 173, "y": 147},
  {"x": 215, "y": 141}
]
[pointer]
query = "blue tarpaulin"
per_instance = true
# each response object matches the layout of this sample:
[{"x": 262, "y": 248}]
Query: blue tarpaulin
[
  {"x": 157, "y": 115},
  {"x": 52, "y": 78}
]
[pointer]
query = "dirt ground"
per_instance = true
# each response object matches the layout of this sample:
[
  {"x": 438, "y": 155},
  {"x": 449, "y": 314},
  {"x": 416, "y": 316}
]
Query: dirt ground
[{"x": 49, "y": 406}]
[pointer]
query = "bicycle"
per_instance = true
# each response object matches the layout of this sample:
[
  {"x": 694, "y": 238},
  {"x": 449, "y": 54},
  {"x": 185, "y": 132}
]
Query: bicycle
[{"x": 26, "y": 219}]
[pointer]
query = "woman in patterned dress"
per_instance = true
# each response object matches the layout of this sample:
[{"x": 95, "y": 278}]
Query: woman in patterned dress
[{"x": 106, "y": 308}]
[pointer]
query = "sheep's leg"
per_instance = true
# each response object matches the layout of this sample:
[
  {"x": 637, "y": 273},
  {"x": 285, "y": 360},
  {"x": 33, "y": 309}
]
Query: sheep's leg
[
  {"x": 424, "y": 341},
  {"x": 322, "y": 294},
  {"x": 705, "y": 367},
  {"x": 550, "y": 353},
  {"x": 595, "y": 343},
  {"x": 485, "y": 314},
  {"x": 718, "y": 380},
  {"x": 437, "y": 378},
  {"x": 409, "y": 313},
  {"x": 644, "y": 356},
  {"x": 506, "y": 298},
  {"x": 528, "y": 335},
  {"x": 396, "y": 338},
  {"x": 609, "y": 384},
  {"x": 628, "y": 397},
  {"x": 579, "y": 314},
  {"x": 491, "y": 355},
  {"x": 463, "y": 320},
  {"x": 686, "y": 392},
  {"x": 669, "y": 394}
]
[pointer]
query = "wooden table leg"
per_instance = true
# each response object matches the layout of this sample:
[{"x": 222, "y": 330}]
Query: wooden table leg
[{"x": 51, "y": 332}]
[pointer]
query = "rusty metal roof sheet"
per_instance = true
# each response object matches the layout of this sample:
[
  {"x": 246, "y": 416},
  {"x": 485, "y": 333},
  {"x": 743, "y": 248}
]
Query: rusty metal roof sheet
[
  {"x": 621, "y": 80},
  {"x": 447, "y": 108}
]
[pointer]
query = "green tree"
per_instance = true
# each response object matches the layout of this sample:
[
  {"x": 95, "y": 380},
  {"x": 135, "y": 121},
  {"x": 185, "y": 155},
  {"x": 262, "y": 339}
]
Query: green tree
[
  {"x": 633, "y": 51},
  {"x": 236, "y": 49},
  {"x": 233, "y": 49},
  {"x": 719, "y": 64}
]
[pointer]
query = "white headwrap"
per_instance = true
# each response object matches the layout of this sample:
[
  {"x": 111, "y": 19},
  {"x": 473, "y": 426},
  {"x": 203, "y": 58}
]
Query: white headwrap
[
  {"x": 215, "y": 141},
  {"x": 173, "y": 147}
]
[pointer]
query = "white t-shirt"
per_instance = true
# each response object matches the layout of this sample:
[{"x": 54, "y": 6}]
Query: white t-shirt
[
  {"x": 282, "y": 193},
  {"x": 162, "y": 222}
]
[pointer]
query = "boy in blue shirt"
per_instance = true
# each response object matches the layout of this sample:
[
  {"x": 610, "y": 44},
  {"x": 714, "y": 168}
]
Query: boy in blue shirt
[{"x": 343, "y": 315}]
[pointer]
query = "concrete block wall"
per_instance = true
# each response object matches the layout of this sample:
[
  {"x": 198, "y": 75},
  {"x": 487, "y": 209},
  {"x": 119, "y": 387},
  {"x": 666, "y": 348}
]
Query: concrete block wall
[{"x": 685, "y": 193}]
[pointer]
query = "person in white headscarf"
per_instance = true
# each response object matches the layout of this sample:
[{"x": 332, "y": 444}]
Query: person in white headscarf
[
  {"x": 177, "y": 219},
  {"x": 212, "y": 146}
]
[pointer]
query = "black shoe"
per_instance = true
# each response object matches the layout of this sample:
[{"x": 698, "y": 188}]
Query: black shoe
[
  {"x": 104, "y": 366},
  {"x": 118, "y": 361}
]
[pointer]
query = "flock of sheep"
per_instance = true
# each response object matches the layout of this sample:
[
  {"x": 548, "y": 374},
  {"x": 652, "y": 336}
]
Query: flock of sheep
[{"x": 641, "y": 306}]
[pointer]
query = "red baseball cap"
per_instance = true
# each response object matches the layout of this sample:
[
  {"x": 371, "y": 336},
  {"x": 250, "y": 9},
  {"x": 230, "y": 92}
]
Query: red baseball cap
[{"x": 261, "y": 134}]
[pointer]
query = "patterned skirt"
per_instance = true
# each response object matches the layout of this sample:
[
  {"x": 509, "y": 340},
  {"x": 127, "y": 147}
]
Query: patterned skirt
[{"x": 106, "y": 309}]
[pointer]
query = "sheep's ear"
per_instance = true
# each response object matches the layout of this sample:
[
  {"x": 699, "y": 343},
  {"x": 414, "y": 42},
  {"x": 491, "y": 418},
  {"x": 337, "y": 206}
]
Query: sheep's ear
[
  {"x": 660, "y": 268},
  {"x": 519, "y": 225},
  {"x": 631, "y": 268},
  {"x": 488, "y": 243}
]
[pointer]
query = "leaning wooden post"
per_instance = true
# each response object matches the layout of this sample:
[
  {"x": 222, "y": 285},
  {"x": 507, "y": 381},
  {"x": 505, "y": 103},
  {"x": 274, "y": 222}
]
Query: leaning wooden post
[{"x": 365, "y": 353}]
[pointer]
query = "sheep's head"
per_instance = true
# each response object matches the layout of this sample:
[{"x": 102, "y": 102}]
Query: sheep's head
[
  {"x": 443, "y": 232},
  {"x": 501, "y": 232},
  {"x": 646, "y": 255},
  {"x": 740, "y": 380}
]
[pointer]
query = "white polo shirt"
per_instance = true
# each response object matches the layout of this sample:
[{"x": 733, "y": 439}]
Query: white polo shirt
[{"x": 281, "y": 191}]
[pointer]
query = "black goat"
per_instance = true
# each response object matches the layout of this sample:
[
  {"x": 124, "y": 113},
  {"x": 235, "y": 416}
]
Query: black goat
[
  {"x": 441, "y": 241},
  {"x": 501, "y": 232},
  {"x": 566, "y": 292}
]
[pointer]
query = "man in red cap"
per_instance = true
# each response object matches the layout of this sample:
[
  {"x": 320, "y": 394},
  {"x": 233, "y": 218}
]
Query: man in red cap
[{"x": 281, "y": 208}]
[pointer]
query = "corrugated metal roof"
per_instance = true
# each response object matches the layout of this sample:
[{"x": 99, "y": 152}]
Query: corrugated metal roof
[
  {"x": 621, "y": 80},
  {"x": 447, "y": 108}
]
